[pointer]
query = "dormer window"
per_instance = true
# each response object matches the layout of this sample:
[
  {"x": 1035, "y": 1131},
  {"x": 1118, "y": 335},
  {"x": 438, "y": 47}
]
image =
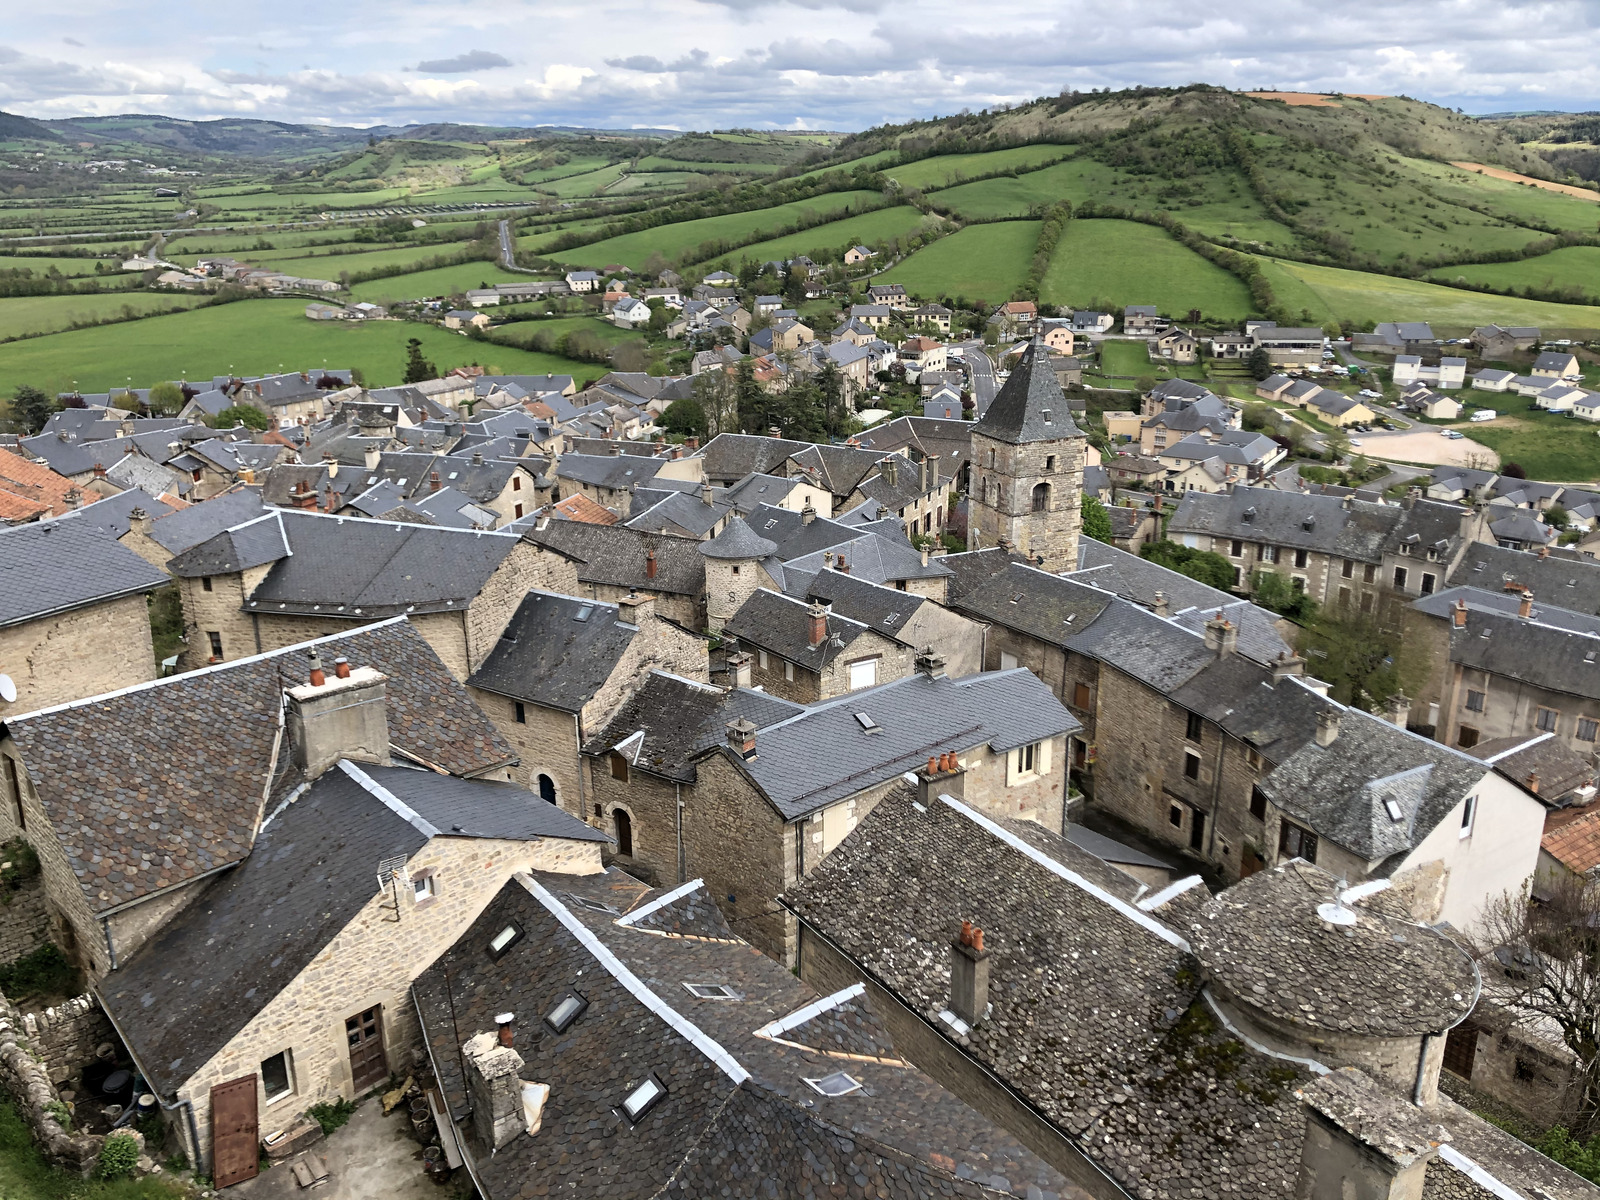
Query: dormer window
[{"x": 1250, "y": 515}]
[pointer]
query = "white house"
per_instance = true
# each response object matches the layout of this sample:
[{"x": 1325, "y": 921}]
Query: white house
[
  {"x": 1560, "y": 397},
  {"x": 1449, "y": 374},
  {"x": 1587, "y": 406},
  {"x": 482, "y": 297},
  {"x": 1493, "y": 380},
  {"x": 630, "y": 312},
  {"x": 583, "y": 281}
]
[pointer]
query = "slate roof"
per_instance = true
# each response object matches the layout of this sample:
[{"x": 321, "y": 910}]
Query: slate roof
[
  {"x": 781, "y": 625},
  {"x": 55, "y": 566},
  {"x": 112, "y": 515},
  {"x": 66, "y": 455},
  {"x": 1030, "y": 407},
  {"x": 254, "y": 543},
  {"x": 556, "y": 650},
  {"x": 823, "y": 754},
  {"x": 175, "y": 815},
  {"x": 616, "y": 556},
  {"x": 188, "y": 527},
  {"x": 616, "y": 471},
  {"x": 717, "y": 1132},
  {"x": 870, "y": 555},
  {"x": 1363, "y": 532},
  {"x": 737, "y": 541},
  {"x": 479, "y": 808},
  {"x": 1569, "y": 581},
  {"x": 1555, "y": 648},
  {"x": 729, "y": 457},
  {"x": 885, "y": 609}
]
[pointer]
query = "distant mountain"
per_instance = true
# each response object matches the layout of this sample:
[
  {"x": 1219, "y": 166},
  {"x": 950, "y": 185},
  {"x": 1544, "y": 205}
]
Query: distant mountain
[{"x": 14, "y": 128}]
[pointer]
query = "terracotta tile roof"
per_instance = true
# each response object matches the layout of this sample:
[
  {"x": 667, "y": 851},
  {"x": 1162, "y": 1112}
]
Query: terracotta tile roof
[
  {"x": 1572, "y": 838},
  {"x": 139, "y": 806},
  {"x": 579, "y": 507},
  {"x": 29, "y": 490}
]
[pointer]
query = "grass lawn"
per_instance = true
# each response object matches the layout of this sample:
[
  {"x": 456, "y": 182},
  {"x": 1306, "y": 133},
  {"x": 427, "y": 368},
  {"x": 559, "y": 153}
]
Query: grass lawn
[
  {"x": 571, "y": 187},
  {"x": 25, "y": 1175},
  {"x": 1547, "y": 446},
  {"x": 25, "y": 315},
  {"x": 1358, "y": 296},
  {"x": 928, "y": 173},
  {"x": 319, "y": 264},
  {"x": 1107, "y": 264},
  {"x": 981, "y": 262},
  {"x": 878, "y": 225},
  {"x": 252, "y": 337},
  {"x": 441, "y": 281},
  {"x": 520, "y": 333},
  {"x": 1571, "y": 266},
  {"x": 71, "y": 267},
  {"x": 684, "y": 238}
]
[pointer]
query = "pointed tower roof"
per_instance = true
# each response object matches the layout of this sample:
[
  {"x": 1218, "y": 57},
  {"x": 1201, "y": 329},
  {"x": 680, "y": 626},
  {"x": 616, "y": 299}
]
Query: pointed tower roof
[
  {"x": 738, "y": 541},
  {"x": 1031, "y": 407}
]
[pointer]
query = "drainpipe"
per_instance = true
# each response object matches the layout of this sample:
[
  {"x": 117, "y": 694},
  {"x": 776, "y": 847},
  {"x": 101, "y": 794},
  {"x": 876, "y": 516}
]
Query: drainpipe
[
  {"x": 677, "y": 792},
  {"x": 1216, "y": 793},
  {"x": 577, "y": 738},
  {"x": 111, "y": 949}
]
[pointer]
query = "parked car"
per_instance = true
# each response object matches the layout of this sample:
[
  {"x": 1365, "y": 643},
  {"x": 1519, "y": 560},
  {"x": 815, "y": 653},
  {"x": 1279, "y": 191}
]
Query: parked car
[
  {"x": 1484, "y": 414},
  {"x": 1370, "y": 394}
]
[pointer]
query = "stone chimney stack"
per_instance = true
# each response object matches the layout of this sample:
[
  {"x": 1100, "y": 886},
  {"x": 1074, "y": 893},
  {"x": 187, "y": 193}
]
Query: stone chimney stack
[
  {"x": 635, "y": 609},
  {"x": 1458, "y": 614},
  {"x": 496, "y": 1091},
  {"x": 139, "y": 521},
  {"x": 969, "y": 975},
  {"x": 1532, "y": 782},
  {"x": 1397, "y": 709},
  {"x": 342, "y": 717},
  {"x": 1362, "y": 1142},
  {"x": 1161, "y": 607},
  {"x": 371, "y": 456},
  {"x": 739, "y": 668},
  {"x": 706, "y": 494},
  {"x": 1328, "y": 727},
  {"x": 816, "y": 624},
  {"x": 1525, "y": 606},
  {"x": 1287, "y": 665},
  {"x": 943, "y": 776},
  {"x": 891, "y": 470},
  {"x": 808, "y": 514},
  {"x": 1544, "y": 551},
  {"x": 930, "y": 663},
  {"x": 1222, "y": 635},
  {"x": 742, "y": 737}
]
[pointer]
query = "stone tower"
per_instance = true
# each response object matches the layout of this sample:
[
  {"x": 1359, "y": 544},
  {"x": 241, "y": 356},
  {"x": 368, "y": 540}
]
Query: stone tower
[
  {"x": 1027, "y": 469},
  {"x": 733, "y": 572}
]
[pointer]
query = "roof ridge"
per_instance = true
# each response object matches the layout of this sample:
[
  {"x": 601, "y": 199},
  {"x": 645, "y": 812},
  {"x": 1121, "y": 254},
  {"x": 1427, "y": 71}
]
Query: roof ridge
[
  {"x": 389, "y": 800},
  {"x": 661, "y": 901}
]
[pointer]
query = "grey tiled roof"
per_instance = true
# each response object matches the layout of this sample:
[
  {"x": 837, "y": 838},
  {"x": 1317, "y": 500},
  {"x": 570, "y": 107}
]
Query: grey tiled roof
[
  {"x": 1568, "y": 581},
  {"x": 1031, "y": 406},
  {"x": 112, "y": 515},
  {"x": 738, "y": 541},
  {"x": 732, "y": 456},
  {"x": 1554, "y": 649},
  {"x": 884, "y": 609},
  {"x": 1363, "y": 532},
  {"x": 54, "y": 566},
  {"x": 480, "y": 808},
  {"x": 190, "y": 526},
  {"x": 556, "y": 651},
  {"x": 780, "y": 625},
  {"x": 615, "y": 471},
  {"x": 616, "y": 556},
  {"x": 176, "y": 815},
  {"x": 254, "y": 543}
]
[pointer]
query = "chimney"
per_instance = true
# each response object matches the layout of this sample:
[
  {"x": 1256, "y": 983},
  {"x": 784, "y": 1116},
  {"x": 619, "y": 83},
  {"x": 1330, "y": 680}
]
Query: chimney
[
  {"x": 1532, "y": 782},
  {"x": 924, "y": 556},
  {"x": 933, "y": 471},
  {"x": 1327, "y": 726},
  {"x": 742, "y": 737},
  {"x": 1525, "y": 606},
  {"x": 739, "y": 668},
  {"x": 491, "y": 1067},
  {"x": 1349, "y": 501},
  {"x": 1222, "y": 635},
  {"x": 342, "y": 717},
  {"x": 774, "y": 431},
  {"x": 434, "y": 482},
  {"x": 922, "y": 475},
  {"x": 842, "y": 566},
  {"x": 371, "y": 457},
  {"x": 943, "y": 776},
  {"x": 99, "y": 471},
  {"x": 650, "y": 564},
  {"x": 635, "y": 609},
  {"x": 1362, "y": 1142},
  {"x": 1397, "y": 709},
  {"x": 616, "y": 449},
  {"x": 139, "y": 521},
  {"x": 808, "y": 514},
  {"x": 816, "y": 624},
  {"x": 930, "y": 664},
  {"x": 1544, "y": 551},
  {"x": 707, "y": 496},
  {"x": 477, "y": 458},
  {"x": 1161, "y": 608},
  {"x": 1285, "y": 666},
  {"x": 692, "y": 442},
  {"x": 1413, "y": 494},
  {"x": 890, "y": 470},
  {"x": 1458, "y": 614},
  {"x": 247, "y": 474},
  {"x": 969, "y": 975}
]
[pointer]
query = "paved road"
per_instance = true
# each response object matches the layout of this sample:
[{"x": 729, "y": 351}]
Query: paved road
[
  {"x": 980, "y": 371},
  {"x": 508, "y": 251}
]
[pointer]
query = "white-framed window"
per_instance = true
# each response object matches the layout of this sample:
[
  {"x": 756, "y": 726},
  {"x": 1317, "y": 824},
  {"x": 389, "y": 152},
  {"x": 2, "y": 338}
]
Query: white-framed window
[
  {"x": 1007, "y": 661},
  {"x": 424, "y": 887},
  {"x": 1469, "y": 815},
  {"x": 863, "y": 674},
  {"x": 788, "y": 670},
  {"x": 277, "y": 1076},
  {"x": 761, "y": 656},
  {"x": 1028, "y": 762}
]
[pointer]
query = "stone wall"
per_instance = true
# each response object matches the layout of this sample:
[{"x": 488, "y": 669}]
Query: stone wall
[
  {"x": 86, "y": 652},
  {"x": 67, "y": 1035},
  {"x": 24, "y": 918},
  {"x": 221, "y": 611},
  {"x": 1000, "y": 505},
  {"x": 25, "y": 1081}
]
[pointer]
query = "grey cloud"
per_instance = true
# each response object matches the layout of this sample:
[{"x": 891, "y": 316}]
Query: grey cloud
[
  {"x": 472, "y": 60},
  {"x": 695, "y": 60},
  {"x": 72, "y": 41}
]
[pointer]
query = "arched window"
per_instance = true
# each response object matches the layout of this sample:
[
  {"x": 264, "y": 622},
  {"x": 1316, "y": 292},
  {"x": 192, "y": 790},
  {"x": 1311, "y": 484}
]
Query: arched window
[
  {"x": 623, "y": 828},
  {"x": 547, "y": 789},
  {"x": 1041, "y": 497}
]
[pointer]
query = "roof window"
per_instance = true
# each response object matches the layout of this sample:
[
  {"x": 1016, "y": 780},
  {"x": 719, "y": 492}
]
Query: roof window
[
  {"x": 1250, "y": 515},
  {"x": 583, "y": 613},
  {"x": 837, "y": 1084},
  {"x": 643, "y": 1098},
  {"x": 1392, "y": 807},
  {"x": 1308, "y": 523},
  {"x": 592, "y": 905},
  {"x": 867, "y": 723},
  {"x": 567, "y": 1010},
  {"x": 713, "y": 991},
  {"x": 505, "y": 939}
]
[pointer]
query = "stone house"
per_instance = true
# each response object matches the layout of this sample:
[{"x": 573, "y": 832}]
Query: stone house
[
  {"x": 1498, "y": 342},
  {"x": 891, "y": 294},
  {"x": 990, "y": 951},
  {"x": 562, "y": 667},
  {"x": 776, "y": 786},
  {"x": 1175, "y": 346},
  {"x": 505, "y": 486},
  {"x": 1141, "y": 320},
  {"x": 804, "y": 652},
  {"x": 654, "y": 991},
  {"x": 936, "y": 315},
  {"x": 605, "y": 478},
  {"x": 917, "y": 622},
  {"x": 611, "y": 563},
  {"x": 1289, "y": 347},
  {"x": 74, "y": 613},
  {"x": 287, "y": 576},
  {"x": 159, "y": 539},
  {"x": 456, "y": 318}
]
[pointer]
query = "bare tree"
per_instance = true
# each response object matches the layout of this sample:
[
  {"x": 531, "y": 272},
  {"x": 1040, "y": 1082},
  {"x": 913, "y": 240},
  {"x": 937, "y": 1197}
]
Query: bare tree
[{"x": 1544, "y": 958}]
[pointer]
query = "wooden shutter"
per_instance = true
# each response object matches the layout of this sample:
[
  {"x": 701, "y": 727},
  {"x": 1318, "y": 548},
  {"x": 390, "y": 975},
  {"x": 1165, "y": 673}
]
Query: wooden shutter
[{"x": 235, "y": 1147}]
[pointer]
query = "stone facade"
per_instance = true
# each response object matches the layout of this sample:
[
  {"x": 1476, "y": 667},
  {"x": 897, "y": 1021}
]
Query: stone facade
[
  {"x": 805, "y": 686},
  {"x": 371, "y": 962},
  {"x": 68, "y": 1035},
  {"x": 24, "y": 921},
  {"x": 85, "y": 652},
  {"x": 1029, "y": 495},
  {"x": 729, "y": 583},
  {"x": 25, "y": 1081},
  {"x": 1074, "y": 678}
]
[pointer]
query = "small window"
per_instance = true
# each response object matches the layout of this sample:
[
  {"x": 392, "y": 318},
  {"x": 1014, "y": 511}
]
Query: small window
[
  {"x": 713, "y": 991},
  {"x": 1349, "y": 568},
  {"x": 1469, "y": 813},
  {"x": 643, "y": 1098},
  {"x": 1428, "y": 582},
  {"x": 1546, "y": 719},
  {"x": 1466, "y": 737},
  {"x": 1258, "y": 804},
  {"x": 1252, "y": 756},
  {"x": 619, "y": 767},
  {"x": 1049, "y": 463},
  {"x": 205, "y": 583},
  {"x": 735, "y": 568},
  {"x": 583, "y": 613},
  {"x": 567, "y": 1010},
  {"x": 1191, "y": 765},
  {"x": 1587, "y": 727},
  {"x": 276, "y": 1077},
  {"x": 521, "y": 713},
  {"x": 1175, "y": 815},
  {"x": 1370, "y": 574},
  {"x": 1237, "y": 549},
  {"x": 1196, "y": 724},
  {"x": 1008, "y": 662},
  {"x": 424, "y": 888},
  {"x": 1475, "y": 701},
  {"x": 516, "y": 485},
  {"x": 1294, "y": 842},
  {"x": 1269, "y": 554},
  {"x": 862, "y": 674},
  {"x": 1300, "y": 559},
  {"x": 1080, "y": 695},
  {"x": 1027, "y": 758},
  {"x": 1344, "y": 597},
  {"x": 761, "y": 657},
  {"x": 510, "y": 934},
  {"x": 867, "y": 724},
  {"x": 215, "y": 639},
  {"x": 837, "y": 1084},
  {"x": 1392, "y": 807},
  {"x": 1399, "y": 577}
]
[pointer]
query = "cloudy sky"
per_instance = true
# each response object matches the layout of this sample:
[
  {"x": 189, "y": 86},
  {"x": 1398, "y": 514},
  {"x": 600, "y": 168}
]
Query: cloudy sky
[{"x": 820, "y": 64}]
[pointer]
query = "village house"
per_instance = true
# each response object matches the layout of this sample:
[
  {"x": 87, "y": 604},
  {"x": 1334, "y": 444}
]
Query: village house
[
  {"x": 31, "y": 491},
  {"x": 561, "y": 668},
  {"x": 915, "y": 621},
  {"x": 1015, "y": 316},
  {"x": 1562, "y": 365},
  {"x": 459, "y": 318},
  {"x": 1419, "y": 399},
  {"x": 1288, "y": 347},
  {"x": 1396, "y": 337},
  {"x": 1141, "y": 320},
  {"x": 876, "y": 316},
  {"x": 1058, "y": 335},
  {"x": 924, "y": 353},
  {"x": 583, "y": 281},
  {"x": 1086, "y": 321},
  {"x": 1448, "y": 373},
  {"x": 891, "y": 294},
  {"x": 1498, "y": 342},
  {"x": 936, "y": 315},
  {"x": 613, "y": 563},
  {"x": 858, "y": 254},
  {"x": 805, "y": 652},
  {"x": 1175, "y": 346},
  {"x": 1230, "y": 346}
]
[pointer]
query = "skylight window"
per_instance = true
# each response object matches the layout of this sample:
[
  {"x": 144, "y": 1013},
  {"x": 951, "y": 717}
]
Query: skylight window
[
  {"x": 591, "y": 905},
  {"x": 866, "y": 722},
  {"x": 505, "y": 939},
  {"x": 837, "y": 1084},
  {"x": 643, "y": 1098},
  {"x": 1392, "y": 807},
  {"x": 583, "y": 613},
  {"x": 713, "y": 991},
  {"x": 567, "y": 1010}
]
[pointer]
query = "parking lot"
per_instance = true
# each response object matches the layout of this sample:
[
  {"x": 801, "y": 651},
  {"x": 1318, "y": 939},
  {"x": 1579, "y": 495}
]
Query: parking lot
[{"x": 1424, "y": 444}]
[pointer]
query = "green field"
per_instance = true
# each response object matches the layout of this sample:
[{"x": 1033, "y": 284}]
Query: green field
[
  {"x": 677, "y": 242},
  {"x": 441, "y": 281},
  {"x": 330, "y": 266},
  {"x": 1548, "y": 446},
  {"x": 1356, "y": 296},
  {"x": 1571, "y": 266},
  {"x": 70, "y": 267},
  {"x": 878, "y": 225},
  {"x": 981, "y": 262},
  {"x": 1517, "y": 200},
  {"x": 521, "y": 333},
  {"x": 1107, "y": 264},
  {"x": 24, "y": 316},
  {"x": 252, "y": 337},
  {"x": 931, "y": 173}
]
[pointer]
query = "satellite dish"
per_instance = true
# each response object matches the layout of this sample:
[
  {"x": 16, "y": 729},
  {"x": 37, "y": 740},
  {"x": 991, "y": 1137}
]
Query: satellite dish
[{"x": 8, "y": 689}]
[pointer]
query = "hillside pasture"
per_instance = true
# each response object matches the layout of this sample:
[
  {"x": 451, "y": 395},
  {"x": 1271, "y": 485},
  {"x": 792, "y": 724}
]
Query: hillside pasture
[
  {"x": 441, "y": 281},
  {"x": 868, "y": 227},
  {"x": 1569, "y": 267},
  {"x": 945, "y": 169},
  {"x": 24, "y": 316},
  {"x": 980, "y": 262}
]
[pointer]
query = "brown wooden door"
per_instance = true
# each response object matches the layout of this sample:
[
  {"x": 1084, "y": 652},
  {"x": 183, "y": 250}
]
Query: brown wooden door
[
  {"x": 368, "y": 1064},
  {"x": 235, "y": 1149}
]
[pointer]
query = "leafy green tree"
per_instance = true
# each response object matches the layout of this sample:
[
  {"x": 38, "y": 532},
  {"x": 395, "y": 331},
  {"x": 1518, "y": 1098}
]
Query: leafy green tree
[
  {"x": 239, "y": 414},
  {"x": 1270, "y": 589},
  {"x": 1096, "y": 523},
  {"x": 1556, "y": 517},
  {"x": 830, "y": 394},
  {"x": 1258, "y": 417},
  {"x": 166, "y": 399},
  {"x": 1357, "y": 657},
  {"x": 126, "y": 402},
  {"x": 685, "y": 417},
  {"x": 1207, "y": 566},
  {"x": 1338, "y": 443},
  {"x": 417, "y": 367},
  {"x": 1258, "y": 364}
]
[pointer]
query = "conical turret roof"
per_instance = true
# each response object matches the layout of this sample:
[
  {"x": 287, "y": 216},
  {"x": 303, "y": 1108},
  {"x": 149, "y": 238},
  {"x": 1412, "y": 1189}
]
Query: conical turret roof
[
  {"x": 1031, "y": 407},
  {"x": 738, "y": 540}
]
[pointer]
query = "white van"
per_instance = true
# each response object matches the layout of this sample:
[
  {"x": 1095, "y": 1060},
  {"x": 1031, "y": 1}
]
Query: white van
[{"x": 1484, "y": 414}]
